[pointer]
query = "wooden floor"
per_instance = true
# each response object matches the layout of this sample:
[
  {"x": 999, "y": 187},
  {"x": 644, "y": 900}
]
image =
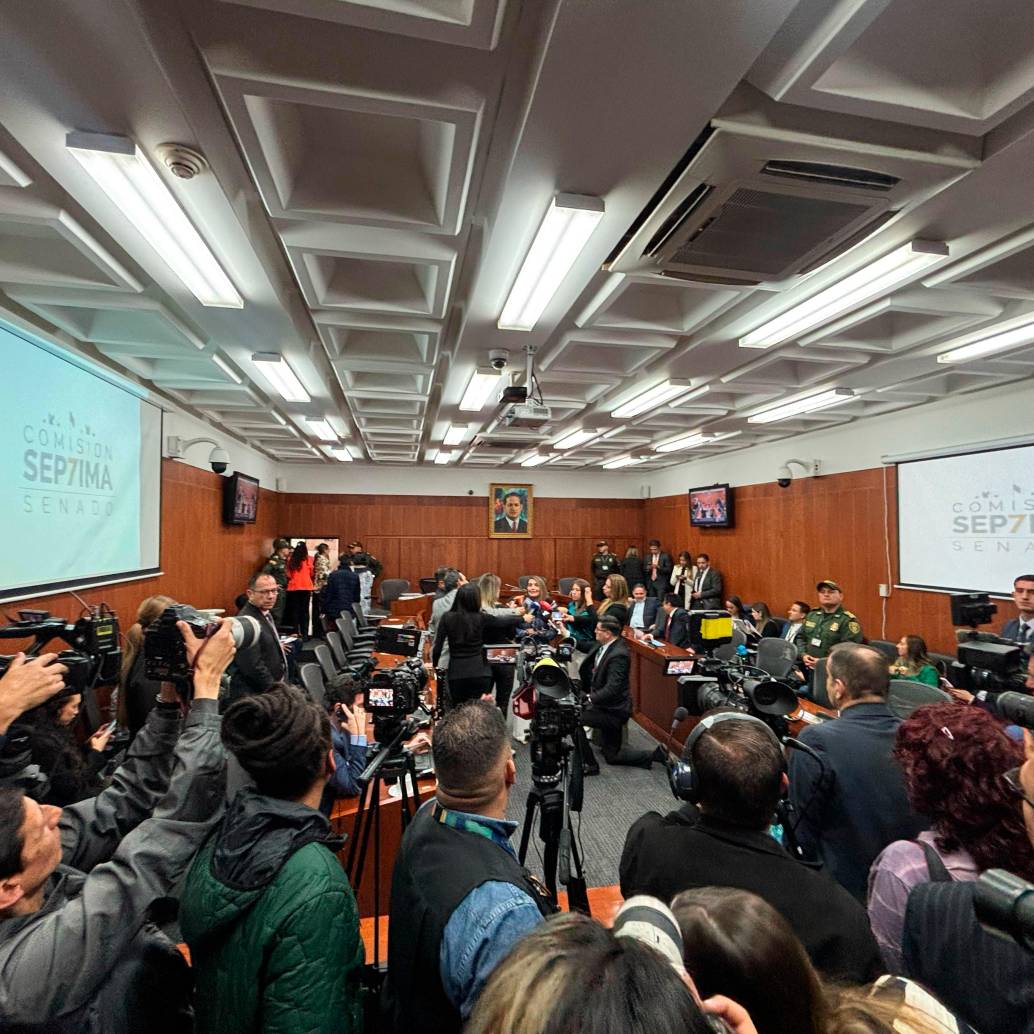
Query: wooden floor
[{"x": 603, "y": 902}]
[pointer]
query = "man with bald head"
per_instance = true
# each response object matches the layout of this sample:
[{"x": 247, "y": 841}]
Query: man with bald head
[{"x": 460, "y": 899}]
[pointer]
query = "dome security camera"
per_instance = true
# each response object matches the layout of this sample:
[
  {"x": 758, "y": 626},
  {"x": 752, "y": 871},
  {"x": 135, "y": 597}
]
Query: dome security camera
[
  {"x": 785, "y": 477},
  {"x": 499, "y": 357},
  {"x": 219, "y": 460}
]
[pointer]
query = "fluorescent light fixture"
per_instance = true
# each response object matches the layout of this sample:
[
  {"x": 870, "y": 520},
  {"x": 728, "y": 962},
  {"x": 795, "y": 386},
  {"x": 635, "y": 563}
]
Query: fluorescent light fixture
[
  {"x": 227, "y": 370},
  {"x": 536, "y": 459},
  {"x": 824, "y": 400},
  {"x": 577, "y": 437},
  {"x": 565, "y": 229},
  {"x": 623, "y": 461},
  {"x": 613, "y": 431},
  {"x": 124, "y": 173},
  {"x": 281, "y": 377},
  {"x": 322, "y": 430},
  {"x": 988, "y": 342},
  {"x": 278, "y": 418},
  {"x": 871, "y": 281},
  {"x": 430, "y": 454},
  {"x": 454, "y": 434},
  {"x": 340, "y": 453},
  {"x": 691, "y": 441},
  {"x": 444, "y": 457},
  {"x": 480, "y": 388},
  {"x": 658, "y": 395}
]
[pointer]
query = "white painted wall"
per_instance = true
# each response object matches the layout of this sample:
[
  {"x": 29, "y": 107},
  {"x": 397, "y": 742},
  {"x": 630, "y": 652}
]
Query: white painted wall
[
  {"x": 246, "y": 460},
  {"x": 347, "y": 478},
  {"x": 977, "y": 417}
]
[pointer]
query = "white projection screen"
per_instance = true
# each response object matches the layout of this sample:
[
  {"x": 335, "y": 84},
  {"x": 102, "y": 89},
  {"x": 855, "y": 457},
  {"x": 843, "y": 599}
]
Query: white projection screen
[
  {"x": 80, "y": 472},
  {"x": 966, "y": 523}
]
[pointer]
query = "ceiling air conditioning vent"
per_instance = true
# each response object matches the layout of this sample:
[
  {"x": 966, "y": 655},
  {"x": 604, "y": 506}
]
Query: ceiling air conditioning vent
[
  {"x": 842, "y": 175},
  {"x": 507, "y": 442},
  {"x": 762, "y": 194}
]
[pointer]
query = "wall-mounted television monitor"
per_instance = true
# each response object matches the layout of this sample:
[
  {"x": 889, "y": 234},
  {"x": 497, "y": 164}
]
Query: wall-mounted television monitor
[
  {"x": 240, "y": 499},
  {"x": 711, "y": 507}
]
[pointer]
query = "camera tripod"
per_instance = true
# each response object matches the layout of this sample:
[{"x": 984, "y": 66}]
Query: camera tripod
[{"x": 553, "y": 800}]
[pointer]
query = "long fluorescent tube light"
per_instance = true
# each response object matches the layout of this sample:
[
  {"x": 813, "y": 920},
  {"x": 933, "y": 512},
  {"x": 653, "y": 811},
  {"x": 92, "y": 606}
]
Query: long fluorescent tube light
[
  {"x": 575, "y": 438},
  {"x": 124, "y": 173},
  {"x": 536, "y": 459},
  {"x": 989, "y": 342},
  {"x": 280, "y": 376},
  {"x": 278, "y": 418},
  {"x": 225, "y": 367},
  {"x": 322, "y": 430},
  {"x": 871, "y": 281},
  {"x": 825, "y": 400},
  {"x": 691, "y": 441},
  {"x": 341, "y": 454},
  {"x": 480, "y": 387},
  {"x": 454, "y": 434},
  {"x": 623, "y": 461},
  {"x": 444, "y": 457},
  {"x": 658, "y": 395},
  {"x": 565, "y": 229}
]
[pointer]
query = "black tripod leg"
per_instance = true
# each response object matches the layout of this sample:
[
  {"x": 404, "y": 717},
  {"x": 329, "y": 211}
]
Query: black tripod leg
[
  {"x": 577, "y": 892},
  {"x": 529, "y": 820}
]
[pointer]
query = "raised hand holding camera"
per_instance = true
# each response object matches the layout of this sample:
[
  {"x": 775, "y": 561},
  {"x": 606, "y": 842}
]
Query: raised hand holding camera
[{"x": 27, "y": 683}]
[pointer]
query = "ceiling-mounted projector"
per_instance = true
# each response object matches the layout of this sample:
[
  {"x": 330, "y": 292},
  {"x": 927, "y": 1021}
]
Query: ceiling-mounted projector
[{"x": 527, "y": 414}]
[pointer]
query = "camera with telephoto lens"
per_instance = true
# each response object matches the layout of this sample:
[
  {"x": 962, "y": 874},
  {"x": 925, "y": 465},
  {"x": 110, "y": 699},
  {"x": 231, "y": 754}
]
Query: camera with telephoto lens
[
  {"x": 165, "y": 652},
  {"x": 557, "y": 709},
  {"x": 985, "y": 662}
]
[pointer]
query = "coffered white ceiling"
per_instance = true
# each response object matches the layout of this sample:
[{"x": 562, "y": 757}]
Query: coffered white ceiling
[{"x": 379, "y": 168}]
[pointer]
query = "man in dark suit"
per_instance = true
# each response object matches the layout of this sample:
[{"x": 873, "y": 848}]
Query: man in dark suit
[
  {"x": 672, "y": 623},
  {"x": 795, "y": 621},
  {"x": 257, "y": 669},
  {"x": 853, "y": 805},
  {"x": 1021, "y": 628},
  {"x": 723, "y": 840},
  {"x": 942, "y": 937},
  {"x": 512, "y": 522},
  {"x": 658, "y": 570},
  {"x": 642, "y": 610},
  {"x": 342, "y": 594},
  {"x": 604, "y": 675},
  {"x": 707, "y": 586}
]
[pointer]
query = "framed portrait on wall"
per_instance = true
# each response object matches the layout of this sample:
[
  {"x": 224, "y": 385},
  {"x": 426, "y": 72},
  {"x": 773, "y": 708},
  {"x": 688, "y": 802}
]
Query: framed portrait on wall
[{"x": 509, "y": 511}]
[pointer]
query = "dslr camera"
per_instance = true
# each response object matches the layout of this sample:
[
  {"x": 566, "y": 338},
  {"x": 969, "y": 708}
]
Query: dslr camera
[
  {"x": 165, "y": 652},
  {"x": 394, "y": 693}
]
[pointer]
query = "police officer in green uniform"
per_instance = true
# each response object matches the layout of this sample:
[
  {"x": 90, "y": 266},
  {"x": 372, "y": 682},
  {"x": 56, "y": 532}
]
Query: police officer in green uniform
[
  {"x": 276, "y": 565},
  {"x": 827, "y": 624},
  {"x": 604, "y": 564}
]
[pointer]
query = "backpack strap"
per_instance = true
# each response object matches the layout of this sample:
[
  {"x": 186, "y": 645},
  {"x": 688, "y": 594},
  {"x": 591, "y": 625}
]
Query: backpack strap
[{"x": 936, "y": 868}]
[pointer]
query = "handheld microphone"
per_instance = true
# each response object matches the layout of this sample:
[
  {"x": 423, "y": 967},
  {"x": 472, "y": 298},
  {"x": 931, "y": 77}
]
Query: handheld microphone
[{"x": 680, "y": 715}]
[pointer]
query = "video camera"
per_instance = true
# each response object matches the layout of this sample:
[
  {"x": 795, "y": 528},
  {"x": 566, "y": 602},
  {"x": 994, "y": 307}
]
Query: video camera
[
  {"x": 985, "y": 661},
  {"x": 165, "y": 652},
  {"x": 95, "y": 656},
  {"x": 394, "y": 693}
]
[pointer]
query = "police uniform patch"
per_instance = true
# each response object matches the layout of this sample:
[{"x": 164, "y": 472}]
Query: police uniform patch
[
  {"x": 854, "y": 628},
  {"x": 835, "y": 627}
]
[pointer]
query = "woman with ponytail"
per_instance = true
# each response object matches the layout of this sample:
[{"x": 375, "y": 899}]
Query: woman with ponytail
[{"x": 267, "y": 910}]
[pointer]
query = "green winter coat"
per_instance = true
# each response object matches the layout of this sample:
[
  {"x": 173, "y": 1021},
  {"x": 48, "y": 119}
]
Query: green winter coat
[{"x": 272, "y": 924}]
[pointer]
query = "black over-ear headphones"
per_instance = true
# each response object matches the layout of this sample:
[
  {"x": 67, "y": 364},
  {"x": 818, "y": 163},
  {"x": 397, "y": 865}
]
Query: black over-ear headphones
[{"x": 682, "y": 776}]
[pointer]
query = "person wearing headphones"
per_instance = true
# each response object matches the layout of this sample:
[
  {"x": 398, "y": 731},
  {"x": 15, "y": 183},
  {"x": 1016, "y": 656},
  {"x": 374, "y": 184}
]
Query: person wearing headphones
[{"x": 731, "y": 776}]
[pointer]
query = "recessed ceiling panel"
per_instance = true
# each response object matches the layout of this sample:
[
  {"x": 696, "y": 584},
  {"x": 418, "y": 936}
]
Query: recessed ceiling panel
[{"x": 665, "y": 306}]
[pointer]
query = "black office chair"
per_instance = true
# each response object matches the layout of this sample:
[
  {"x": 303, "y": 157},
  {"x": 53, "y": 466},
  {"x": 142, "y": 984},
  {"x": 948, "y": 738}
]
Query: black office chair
[
  {"x": 360, "y": 636},
  {"x": 887, "y": 648},
  {"x": 354, "y": 653},
  {"x": 337, "y": 649},
  {"x": 818, "y": 684},
  {"x": 908, "y": 694},
  {"x": 565, "y": 585},
  {"x": 777, "y": 657},
  {"x": 312, "y": 680},
  {"x": 326, "y": 661},
  {"x": 523, "y": 581},
  {"x": 942, "y": 662},
  {"x": 428, "y": 585},
  {"x": 728, "y": 651}
]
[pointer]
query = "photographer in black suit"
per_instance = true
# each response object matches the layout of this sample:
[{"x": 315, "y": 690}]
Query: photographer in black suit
[
  {"x": 257, "y": 669},
  {"x": 604, "y": 675}
]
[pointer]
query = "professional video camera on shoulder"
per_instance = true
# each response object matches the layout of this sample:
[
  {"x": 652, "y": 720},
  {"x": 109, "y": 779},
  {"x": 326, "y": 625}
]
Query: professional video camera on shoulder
[
  {"x": 165, "y": 652},
  {"x": 717, "y": 682},
  {"x": 986, "y": 662},
  {"x": 95, "y": 655}
]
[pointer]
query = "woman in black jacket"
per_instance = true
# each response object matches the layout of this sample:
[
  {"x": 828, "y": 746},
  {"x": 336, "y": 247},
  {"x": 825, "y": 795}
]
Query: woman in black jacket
[
  {"x": 466, "y": 628},
  {"x": 632, "y": 569}
]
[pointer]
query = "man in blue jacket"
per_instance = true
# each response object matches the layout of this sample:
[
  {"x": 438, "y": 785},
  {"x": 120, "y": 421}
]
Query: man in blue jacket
[{"x": 341, "y": 594}]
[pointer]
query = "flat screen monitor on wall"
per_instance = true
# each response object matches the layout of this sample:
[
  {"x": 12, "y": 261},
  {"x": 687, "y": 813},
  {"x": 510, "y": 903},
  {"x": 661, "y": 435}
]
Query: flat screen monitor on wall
[
  {"x": 240, "y": 499},
  {"x": 711, "y": 507},
  {"x": 966, "y": 522},
  {"x": 80, "y": 472}
]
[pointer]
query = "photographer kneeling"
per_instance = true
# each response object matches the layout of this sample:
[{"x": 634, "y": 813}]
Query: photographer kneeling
[
  {"x": 77, "y": 952},
  {"x": 604, "y": 675}
]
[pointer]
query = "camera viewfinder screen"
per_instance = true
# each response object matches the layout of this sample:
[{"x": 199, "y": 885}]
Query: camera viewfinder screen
[
  {"x": 380, "y": 696},
  {"x": 679, "y": 666},
  {"x": 501, "y": 654},
  {"x": 711, "y": 507}
]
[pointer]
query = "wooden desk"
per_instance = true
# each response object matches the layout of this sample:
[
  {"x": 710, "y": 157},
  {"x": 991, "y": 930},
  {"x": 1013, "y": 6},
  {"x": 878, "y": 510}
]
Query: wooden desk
[
  {"x": 655, "y": 695},
  {"x": 418, "y": 608}
]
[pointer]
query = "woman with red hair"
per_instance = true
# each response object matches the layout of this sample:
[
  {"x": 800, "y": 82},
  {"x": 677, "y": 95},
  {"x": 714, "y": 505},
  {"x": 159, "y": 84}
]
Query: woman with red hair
[{"x": 953, "y": 759}]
